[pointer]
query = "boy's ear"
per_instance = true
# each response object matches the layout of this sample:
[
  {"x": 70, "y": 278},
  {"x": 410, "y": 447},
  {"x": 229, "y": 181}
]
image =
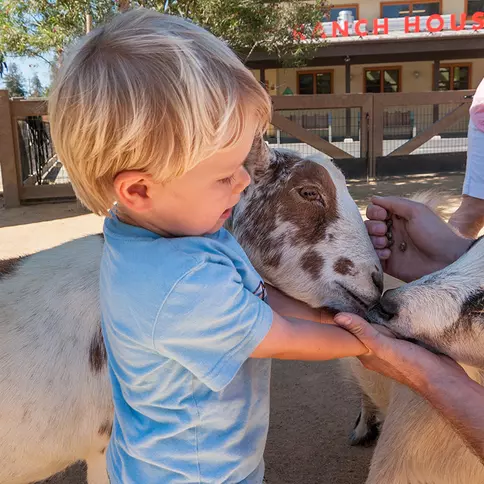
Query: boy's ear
[
  {"x": 133, "y": 190},
  {"x": 258, "y": 159}
]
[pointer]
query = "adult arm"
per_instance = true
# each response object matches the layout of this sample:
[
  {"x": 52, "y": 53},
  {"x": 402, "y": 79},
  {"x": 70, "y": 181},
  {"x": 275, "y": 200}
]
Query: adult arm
[{"x": 441, "y": 381}]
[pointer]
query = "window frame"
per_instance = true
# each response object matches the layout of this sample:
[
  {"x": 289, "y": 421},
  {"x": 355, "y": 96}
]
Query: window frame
[
  {"x": 411, "y": 4},
  {"x": 314, "y": 72},
  {"x": 346, "y": 6},
  {"x": 469, "y": 17},
  {"x": 381, "y": 69},
  {"x": 452, "y": 66}
]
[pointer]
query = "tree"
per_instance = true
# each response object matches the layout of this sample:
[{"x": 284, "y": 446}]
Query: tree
[
  {"x": 35, "y": 27},
  {"x": 14, "y": 81},
  {"x": 3, "y": 65},
  {"x": 36, "y": 88}
]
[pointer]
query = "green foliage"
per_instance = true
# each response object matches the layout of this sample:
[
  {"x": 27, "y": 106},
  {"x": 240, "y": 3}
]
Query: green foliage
[
  {"x": 36, "y": 88},
  {"x": 37, "y": 27},
  {"x": 14, "y": 81}
]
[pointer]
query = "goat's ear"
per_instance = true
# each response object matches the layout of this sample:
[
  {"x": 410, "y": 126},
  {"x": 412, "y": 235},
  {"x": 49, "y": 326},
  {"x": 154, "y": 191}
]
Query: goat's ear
[{"x": 258, "y": 159}]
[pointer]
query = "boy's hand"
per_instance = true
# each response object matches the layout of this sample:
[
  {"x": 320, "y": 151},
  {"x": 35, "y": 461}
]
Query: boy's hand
[
  {"x": 421, "y": 242},
  {"x": 288, "y": 307}
]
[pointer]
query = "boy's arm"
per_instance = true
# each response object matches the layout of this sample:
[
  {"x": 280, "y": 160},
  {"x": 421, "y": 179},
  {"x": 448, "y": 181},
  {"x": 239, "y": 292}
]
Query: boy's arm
[
  {"x": 307, "y": 340},
  {"x": 287, "y": 307}
]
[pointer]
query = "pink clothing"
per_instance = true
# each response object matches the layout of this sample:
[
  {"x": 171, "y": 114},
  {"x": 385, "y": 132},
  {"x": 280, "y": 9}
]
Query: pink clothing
[{"x": 477, "y": 107}]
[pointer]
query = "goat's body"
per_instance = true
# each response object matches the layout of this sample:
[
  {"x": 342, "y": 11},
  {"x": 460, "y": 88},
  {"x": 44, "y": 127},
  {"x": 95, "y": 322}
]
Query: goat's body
[
  {"x": 55, "y": 406},
  {"x": 417, "y": 446}
]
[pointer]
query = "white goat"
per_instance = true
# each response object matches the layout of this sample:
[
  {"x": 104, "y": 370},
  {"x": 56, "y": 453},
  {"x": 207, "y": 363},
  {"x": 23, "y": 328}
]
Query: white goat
[{"x": 443, "y": 311}]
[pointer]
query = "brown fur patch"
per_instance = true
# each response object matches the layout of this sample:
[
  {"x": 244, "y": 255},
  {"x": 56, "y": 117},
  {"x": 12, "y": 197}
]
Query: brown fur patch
[
  {"x": 106, "y": 428},
  {"x": 275, "y": 197},
  {"x": 344, "y": 266},
  {"x": 311, "y": 219},
  {"x": 97, "y": 352},
  {"x": 9, "y": 266},
  {"x": 312, "y": 262}
]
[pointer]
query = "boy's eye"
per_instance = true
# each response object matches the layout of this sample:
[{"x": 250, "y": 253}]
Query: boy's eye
[{"x": 229, "y": 180}]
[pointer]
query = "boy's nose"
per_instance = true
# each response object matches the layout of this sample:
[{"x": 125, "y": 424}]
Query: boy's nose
[{"x": 244, "y": 181}]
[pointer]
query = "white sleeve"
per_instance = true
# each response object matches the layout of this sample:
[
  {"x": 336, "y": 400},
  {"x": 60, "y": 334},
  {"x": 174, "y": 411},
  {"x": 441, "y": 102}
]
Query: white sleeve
[{"x": 474, "y": 178}]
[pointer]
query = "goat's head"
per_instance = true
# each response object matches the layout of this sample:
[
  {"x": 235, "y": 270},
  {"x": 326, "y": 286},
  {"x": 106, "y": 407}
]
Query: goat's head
[
  {"x": 443, "y": 311},
  {"x": 303, "y": 232}
]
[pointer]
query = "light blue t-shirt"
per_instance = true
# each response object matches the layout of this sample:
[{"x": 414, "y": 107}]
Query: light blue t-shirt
[{"x": 180, "y": 318}]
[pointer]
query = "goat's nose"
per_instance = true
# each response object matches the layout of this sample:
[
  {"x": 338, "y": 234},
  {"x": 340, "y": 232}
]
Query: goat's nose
[
  {"x": 377, "y": 278},
  {"x": 384, "y": 310}
]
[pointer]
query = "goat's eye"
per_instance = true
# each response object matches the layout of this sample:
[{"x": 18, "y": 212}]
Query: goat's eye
[{"x": 311, "y": 194}]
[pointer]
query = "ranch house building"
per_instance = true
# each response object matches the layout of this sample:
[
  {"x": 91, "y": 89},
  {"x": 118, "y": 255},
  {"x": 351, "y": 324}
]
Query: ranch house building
[{"x": 388, "y": 47}]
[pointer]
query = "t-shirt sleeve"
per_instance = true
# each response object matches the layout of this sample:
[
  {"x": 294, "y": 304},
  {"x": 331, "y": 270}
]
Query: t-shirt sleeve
[{"x": 210, "y": 323}]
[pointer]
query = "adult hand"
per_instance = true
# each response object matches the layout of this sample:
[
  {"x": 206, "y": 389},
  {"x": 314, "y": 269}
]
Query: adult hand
[
  {"x": 468, "y": 219},
  {"x": 439, "y": 379},
  {"x": 405, "y": 362},
  {"x": 420, "y": 241}
]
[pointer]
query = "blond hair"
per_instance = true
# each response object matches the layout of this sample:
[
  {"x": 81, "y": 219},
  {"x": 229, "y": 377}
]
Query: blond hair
[{"x": 148, "y": 92}]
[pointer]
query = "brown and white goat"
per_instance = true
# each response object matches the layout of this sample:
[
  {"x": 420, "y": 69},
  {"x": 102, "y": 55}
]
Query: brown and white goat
[
  {"x": 444, "y": 310},
  {"x": 296, "y": 221}
]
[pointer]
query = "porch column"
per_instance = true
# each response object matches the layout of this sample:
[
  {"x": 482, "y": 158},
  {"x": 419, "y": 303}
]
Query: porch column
[
  {"x": 262, "y": 76},
  {"x": 435, "y": 87},
  {"x": 348, "y": 91}
]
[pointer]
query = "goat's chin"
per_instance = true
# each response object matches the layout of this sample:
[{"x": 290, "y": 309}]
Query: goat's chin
[{"x": 392, "y": 330}]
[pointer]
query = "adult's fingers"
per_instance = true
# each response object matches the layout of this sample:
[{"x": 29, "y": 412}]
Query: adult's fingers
[
  {"x": 374, "y": 212},
  {"x": 376, "y": 228},
  {"x": 399, "y": 206},
  {"x": 383, "y": 254},
  {"x": 379, "y": 242}
]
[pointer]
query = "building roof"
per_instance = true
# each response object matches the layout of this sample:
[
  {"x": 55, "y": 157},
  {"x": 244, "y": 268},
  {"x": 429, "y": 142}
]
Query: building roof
[{"x": 396, "y": 46}]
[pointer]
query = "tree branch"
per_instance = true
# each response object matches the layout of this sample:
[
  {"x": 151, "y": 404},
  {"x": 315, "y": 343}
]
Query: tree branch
[
  {"x": 44, "y": 59},
  {"x": 250, "y": 52}
]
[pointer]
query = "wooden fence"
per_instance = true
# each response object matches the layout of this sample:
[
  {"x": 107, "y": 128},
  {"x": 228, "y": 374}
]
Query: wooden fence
[
  {"x": 414, "y": 118},
  {"x": 367, "y": 123}
]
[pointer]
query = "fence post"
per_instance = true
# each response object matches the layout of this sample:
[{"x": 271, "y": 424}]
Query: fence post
[
  {"x": 378, "y": 133},
  {"x": 366, "y": 133},
  {"x": 8, "y": 162}
]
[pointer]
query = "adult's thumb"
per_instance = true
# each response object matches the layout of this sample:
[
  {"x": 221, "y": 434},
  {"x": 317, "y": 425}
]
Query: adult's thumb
[
  {"x": 396, "y": 205},
  {"x": 356, "y": 326}
]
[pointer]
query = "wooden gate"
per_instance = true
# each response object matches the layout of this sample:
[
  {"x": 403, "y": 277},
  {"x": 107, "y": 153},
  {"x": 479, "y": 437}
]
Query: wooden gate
[
  {"x": 24, "y": 135},
  {"x": 379, "y": 134}
]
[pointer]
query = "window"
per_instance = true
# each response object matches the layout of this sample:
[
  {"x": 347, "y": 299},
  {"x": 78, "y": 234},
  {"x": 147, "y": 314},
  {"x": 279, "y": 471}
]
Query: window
[
  {"x": 454, "y": 77},
  {"x": 474, "y": 6},
  {"x": 334, "y": 12},
  {"x": 318, "y": 82},
  {"x": 385, "y": 79},
  {"x": 410, "y": 9}
]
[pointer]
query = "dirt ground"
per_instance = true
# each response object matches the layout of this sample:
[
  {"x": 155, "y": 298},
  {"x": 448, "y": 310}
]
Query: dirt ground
[{"x": 313, "y": 408}]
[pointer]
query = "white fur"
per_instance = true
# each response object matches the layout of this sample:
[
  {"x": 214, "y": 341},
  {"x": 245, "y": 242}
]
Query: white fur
[{"x": 51, "y": 404}]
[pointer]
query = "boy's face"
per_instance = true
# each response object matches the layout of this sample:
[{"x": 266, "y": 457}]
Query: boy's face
[{"x": 197, "y": 203}]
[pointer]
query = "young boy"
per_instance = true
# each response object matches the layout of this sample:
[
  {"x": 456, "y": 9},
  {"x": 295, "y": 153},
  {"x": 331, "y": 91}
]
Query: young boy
[{"x": 153, "y": 118}]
